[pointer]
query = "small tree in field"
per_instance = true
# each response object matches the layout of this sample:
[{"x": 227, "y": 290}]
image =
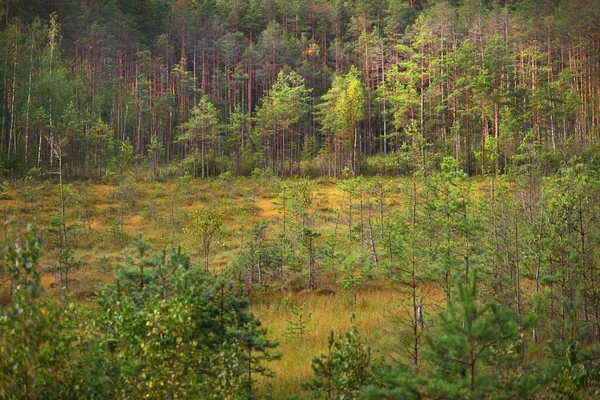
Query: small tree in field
[
  {"x": 298, "y": 324},
  {"x": 125, "y": 197},
  {"x": 205, "y": 226},
  {"x": 453, "y": 226},
  {"x": 345, "y": 368},
  {"x": 476, "y": 352},
  {"x": 475, "y": 349}
]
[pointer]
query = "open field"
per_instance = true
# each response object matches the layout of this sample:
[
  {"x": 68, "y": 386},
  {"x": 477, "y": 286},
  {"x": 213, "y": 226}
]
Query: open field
[
  {"x": 95, "y": 214},
  {"x": 377, "y": 248}
]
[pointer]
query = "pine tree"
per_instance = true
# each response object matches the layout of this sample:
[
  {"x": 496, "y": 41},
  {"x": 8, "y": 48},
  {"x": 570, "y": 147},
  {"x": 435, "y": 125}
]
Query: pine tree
[
  {"x": 201, "y": 132},
  {"x": 408, "y": 267},
  {"x": 341, "y": 372},
  {"x": 477, "y": 349},
  {"x": 298, "y": 324},
  {"x": 283, "y": 108},
  {"x": 570, "y": 214},
  {"x": 453, "y": 223},
  {"x": 341, "y": 112},
  {"x": 184, "y": 335}
]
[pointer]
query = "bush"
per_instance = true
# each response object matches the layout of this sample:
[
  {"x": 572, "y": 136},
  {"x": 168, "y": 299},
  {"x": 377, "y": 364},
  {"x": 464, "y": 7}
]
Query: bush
[{"x": 4, "y": 191}]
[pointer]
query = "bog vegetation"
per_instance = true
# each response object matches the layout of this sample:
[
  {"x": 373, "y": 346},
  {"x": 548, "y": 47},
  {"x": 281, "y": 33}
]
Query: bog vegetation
[
  {"x": 431, "y": 285},
  {"x": 300, "y": 199}
]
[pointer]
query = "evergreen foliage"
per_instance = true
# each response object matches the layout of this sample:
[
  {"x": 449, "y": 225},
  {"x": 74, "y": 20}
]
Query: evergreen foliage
[{"x": 183, "y": 334}]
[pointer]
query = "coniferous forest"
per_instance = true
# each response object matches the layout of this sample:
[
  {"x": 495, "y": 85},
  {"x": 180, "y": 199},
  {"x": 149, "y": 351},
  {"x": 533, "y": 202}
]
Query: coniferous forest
[{"x": 290, "y": 199}]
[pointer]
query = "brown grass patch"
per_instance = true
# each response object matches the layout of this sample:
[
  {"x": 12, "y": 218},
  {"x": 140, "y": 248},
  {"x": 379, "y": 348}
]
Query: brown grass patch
[
  {"x": 327, "y": 313},
  {"x": 268, "y": 209}
]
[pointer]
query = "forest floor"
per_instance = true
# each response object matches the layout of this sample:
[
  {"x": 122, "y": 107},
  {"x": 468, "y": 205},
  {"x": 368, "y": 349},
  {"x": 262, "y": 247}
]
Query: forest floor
[{"x": 103, "y": 219}]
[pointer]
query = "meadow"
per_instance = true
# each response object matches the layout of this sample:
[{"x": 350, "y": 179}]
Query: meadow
[
  {"x": 384, "y": 263},
  {"x": 103, "y": 219}
]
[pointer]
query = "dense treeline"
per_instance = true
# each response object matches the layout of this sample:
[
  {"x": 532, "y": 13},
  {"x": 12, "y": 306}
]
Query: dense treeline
[{"x": 296, "y": 86}]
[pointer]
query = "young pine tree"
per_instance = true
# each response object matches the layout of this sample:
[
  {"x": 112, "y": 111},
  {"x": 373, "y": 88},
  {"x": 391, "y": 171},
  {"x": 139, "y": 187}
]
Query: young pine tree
[
  {"x": 477, "y": 350},
  {"x": 345, "y": 368}
]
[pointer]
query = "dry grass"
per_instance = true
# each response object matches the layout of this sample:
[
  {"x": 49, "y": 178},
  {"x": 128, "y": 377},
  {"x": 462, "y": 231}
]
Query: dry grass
[
  {"x": 327, "y": 313},
  {"x": 160, "y": 212}
]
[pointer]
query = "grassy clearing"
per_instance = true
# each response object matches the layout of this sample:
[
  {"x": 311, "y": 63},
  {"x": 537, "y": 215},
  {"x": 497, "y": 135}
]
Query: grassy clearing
[
  {"x": 159, "y": 211},
  {"x": 327, "y": 313}
]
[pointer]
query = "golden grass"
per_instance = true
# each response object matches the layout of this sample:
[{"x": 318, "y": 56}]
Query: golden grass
[
  {"x": 160, "y": 213},
  {"x": 327, "y": 313}
]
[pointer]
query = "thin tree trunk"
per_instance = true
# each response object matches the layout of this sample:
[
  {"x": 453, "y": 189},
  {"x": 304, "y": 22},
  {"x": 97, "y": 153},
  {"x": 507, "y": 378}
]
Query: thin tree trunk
[
  {"x": 11, "y": 135},
  {"x": 28, "y": 105},
  {"x": 371, "y": 236}
]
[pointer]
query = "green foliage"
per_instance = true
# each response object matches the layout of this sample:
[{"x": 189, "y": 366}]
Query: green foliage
[
  {"x": 393, "y": 383},
  {"x": 569, "y": 238},
  {"x": 299, "y": 324},
  {"x": 301, "y": 197},
  {"x": 352, "y": 279},
  {"x": 260, "y": 258},
  {"x": 43, "y": 353},
  {"x": 66, "y": 264},
  {"x": 453, "y": 223},
  {"x": 205, "y": 226},
  {"x": 572, "y": 368},
  {"x": 134, "y": 90},
  {"x": 341, "y": 111},
  {"x": 243, "y": 96},
  {"x": 155, "y": 149},
  {"x": 283, "y": 107},
  {"x": 140, "y": 245},
  {"x": 4, "y": 191},
  {"x": 20, "y": 261},
  {"x": 185, "y": 334},
  {"x": 202, "y": 134},
  {"x": 345, "y": 368},
  {"x": 477, "y": 351}
]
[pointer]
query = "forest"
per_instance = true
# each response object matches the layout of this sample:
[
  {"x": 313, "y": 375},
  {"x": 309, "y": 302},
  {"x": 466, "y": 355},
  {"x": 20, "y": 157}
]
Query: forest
[
  {"x": 290, "y": 199},
  {"x": 299, "y": 87}
]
